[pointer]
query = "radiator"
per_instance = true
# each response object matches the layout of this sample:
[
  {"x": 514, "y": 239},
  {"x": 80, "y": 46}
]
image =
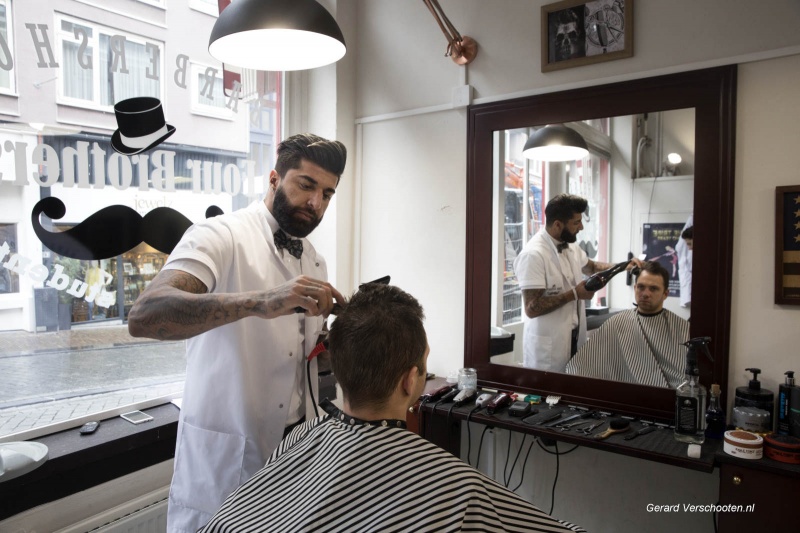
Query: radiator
[
  {"x": 135, "y": 503},
  {"x": 141, "y": 515},
  {"x": 150, "y": 519}
]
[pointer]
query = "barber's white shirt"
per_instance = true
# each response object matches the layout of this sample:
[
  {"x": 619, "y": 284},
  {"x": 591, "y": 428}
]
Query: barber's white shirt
[
  {"x": 241, "y": 377},
  {"x": 547, "y": 339}
]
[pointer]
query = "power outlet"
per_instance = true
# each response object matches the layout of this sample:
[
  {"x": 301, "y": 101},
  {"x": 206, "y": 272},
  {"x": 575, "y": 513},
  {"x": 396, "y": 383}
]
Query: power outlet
[{"x": 462, "y": 96}]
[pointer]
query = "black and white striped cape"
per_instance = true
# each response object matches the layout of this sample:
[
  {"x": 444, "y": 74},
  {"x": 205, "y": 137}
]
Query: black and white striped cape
[
  {"x": 636, "y": 348},
  {"x": 331, "y": 476}
]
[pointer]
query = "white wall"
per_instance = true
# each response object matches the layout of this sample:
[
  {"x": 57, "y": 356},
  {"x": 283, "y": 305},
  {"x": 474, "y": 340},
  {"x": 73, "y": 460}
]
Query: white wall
[{"x": 413, "y": 205}]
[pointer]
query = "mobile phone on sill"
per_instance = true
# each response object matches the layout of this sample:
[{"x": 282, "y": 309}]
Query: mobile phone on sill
[{"x": 136, "y": 417}]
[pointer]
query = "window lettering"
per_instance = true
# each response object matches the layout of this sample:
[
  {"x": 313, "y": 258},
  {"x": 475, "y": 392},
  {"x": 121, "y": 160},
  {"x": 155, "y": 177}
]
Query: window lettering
[
  {"x": 43, "y": 44},
  {"x": 84, "y": 59}
]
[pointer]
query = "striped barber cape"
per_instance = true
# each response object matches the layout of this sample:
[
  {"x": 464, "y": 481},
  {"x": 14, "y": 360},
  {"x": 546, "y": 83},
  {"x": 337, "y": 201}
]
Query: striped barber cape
[
  {"x": 636, "y": 348},
  {"x": 328, "y": 475}
]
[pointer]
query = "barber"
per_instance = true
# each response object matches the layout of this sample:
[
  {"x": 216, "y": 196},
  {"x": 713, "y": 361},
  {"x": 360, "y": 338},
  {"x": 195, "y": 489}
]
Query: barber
[
  {"x": 550, "y": 272},
  {"x": 232, "y": 287}
]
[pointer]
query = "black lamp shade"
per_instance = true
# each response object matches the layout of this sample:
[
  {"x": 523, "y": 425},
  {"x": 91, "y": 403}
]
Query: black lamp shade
[
  {"x": 276, "y": 35},
  {"x": 555, "y": 142}
]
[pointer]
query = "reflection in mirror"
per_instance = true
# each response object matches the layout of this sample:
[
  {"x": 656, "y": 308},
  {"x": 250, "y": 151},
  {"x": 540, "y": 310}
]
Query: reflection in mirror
[
  {"x": 639, "y": 204},
  {"x": 709, "y": 96}
]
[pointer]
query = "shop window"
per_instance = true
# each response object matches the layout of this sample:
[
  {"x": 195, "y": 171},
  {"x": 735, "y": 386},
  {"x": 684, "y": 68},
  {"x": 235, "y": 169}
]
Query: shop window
[
  {"x": 208, "y": 95},
  {"x": 67, "y": 316},
  {"x": 7, "y": 70},
  {"x": 205, "y": 6},
  {"x": 9, "y": 280},
  {"x": 101, "y": 66}
]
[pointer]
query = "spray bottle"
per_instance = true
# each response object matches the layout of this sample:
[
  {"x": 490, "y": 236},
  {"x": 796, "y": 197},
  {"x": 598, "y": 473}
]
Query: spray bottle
[{"x": 690, "y": 396}]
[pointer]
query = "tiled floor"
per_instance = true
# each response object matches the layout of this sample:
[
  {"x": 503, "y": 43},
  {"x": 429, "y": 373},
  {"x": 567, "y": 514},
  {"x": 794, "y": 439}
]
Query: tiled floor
[{"x": 51, "y": 377}]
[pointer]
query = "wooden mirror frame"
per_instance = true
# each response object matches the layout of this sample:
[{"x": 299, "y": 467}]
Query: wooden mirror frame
[{"x": 712, "y": 94}]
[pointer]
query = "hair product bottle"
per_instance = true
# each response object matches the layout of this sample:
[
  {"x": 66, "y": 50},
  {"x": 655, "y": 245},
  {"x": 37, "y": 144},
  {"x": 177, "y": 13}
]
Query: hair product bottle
[
  {"x": 715, "y": 416},
  {"x": 784, "y": 401},
  {"x": 690, "y": 397}
]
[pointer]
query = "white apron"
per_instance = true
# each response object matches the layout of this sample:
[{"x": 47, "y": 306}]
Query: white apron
[
  {"x": 235, "y": 407},
  {"x": 547, "y": 339}
]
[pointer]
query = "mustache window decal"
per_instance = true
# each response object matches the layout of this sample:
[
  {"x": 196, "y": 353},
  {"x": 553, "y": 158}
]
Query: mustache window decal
[{"x": 112, "y": 230}]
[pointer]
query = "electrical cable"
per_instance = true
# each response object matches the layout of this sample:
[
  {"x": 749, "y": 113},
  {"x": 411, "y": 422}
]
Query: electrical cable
[
  {"x": 557, "y": 454},
  {"x": 508, "y": 454},
  {"x": 480, "y": 445},
  {"x": 311, "y": 390},
  {"x": 447, "y": 424},
  {"x": 514, "y": 464},
  {"x": 714, "y": 517},
  {"x": 555, "y": 480},
  {"x": 469, "y": 435},
  {"x": 525, "y": 462}
]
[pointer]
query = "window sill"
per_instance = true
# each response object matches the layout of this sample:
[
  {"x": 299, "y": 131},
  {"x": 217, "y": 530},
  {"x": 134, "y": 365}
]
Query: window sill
[{"x": 78, "y": 462}]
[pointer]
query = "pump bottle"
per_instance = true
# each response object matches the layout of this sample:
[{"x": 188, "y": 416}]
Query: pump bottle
[{"x": 690, "y": 397}]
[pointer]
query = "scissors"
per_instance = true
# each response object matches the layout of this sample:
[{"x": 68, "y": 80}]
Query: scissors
[{"x": 588, "y": 429}]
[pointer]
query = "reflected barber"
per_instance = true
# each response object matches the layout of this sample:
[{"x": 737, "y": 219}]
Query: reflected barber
[
  {"x": 550, "y": 271},
  {"x": 232, "y": 287}
]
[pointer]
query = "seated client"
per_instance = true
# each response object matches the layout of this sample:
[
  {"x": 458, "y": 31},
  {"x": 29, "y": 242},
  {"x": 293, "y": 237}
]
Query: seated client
[
  {"x": 642, "y": 345},
  {"x": 360, "y": 469}
]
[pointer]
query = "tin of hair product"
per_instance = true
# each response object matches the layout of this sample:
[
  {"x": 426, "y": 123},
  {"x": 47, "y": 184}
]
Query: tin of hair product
[
  {"x": 752, "y": 419},
  {"x": 782, "y": 448},
  {"x": 743, "y": 444}
]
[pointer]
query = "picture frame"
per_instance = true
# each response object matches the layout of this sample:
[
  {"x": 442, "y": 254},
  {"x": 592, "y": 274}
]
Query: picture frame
[
  {"x": 787, "y": 245},
  {"x": 579, "y": 32}
]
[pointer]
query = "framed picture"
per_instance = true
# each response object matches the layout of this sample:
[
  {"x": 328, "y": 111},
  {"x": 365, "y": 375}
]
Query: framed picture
[
  {"x": 787, "y": 245},
  {"x": 576, "y": 33}
]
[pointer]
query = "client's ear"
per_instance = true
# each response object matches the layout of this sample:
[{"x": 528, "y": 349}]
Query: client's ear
[{"x": 411, "y": 380}]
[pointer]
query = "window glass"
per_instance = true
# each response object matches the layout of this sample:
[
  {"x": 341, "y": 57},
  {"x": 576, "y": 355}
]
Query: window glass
[
  {"x": 64, "y": 347},
  {"x": 9, "y": 279},
  {"x": 528, "y": 184},
  {"x": 6, "y": 48},
  {"x": 102, "y": 65}
]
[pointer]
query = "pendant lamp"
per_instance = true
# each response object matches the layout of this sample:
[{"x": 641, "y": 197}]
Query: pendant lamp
[
  {"x": 276, "y": 35},
  {"x": 555, "y": 142}
]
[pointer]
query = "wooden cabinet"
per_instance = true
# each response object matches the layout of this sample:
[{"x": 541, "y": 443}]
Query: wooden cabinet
[{"x": 761, "y": 493}]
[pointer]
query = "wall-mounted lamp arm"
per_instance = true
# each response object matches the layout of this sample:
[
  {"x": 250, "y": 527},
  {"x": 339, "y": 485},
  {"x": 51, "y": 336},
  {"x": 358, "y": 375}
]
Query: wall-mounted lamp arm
[{"x": 462, "y": 50}]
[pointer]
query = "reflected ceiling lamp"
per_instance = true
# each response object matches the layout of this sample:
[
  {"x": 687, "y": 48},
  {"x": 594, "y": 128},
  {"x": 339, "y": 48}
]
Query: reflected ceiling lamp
[
  {"x": 555, "y": 142},
  {"x": 671, "y": 164},
  {"x": 276, "y": 35},
  {"x": 461, "y": 49}
]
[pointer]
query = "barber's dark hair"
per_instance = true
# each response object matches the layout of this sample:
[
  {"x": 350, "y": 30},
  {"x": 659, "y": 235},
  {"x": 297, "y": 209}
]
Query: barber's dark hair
[
  {"x": 688, "y": 233},
  {"x": 657, "y": 269},
  {"x": 330, "y": 155},
  {"x": 563, "y": 207},
  {"x": 376, "y": 338}
]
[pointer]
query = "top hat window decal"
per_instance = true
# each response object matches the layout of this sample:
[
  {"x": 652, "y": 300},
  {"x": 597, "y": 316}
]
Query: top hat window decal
[{"x": 141, "y": 125}]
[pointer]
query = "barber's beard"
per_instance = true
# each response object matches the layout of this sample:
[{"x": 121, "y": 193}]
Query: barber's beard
[
  {"x": 567, "y": 236},
  {"x": 284, "y": 213}
]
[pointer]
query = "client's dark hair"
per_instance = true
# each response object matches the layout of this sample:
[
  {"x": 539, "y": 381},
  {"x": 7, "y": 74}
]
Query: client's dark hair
[
  {"x": 376, "y": 338},
  {"x": 657, "y": 269},
  {"x": 330, "y": 155},
  {"x": 688, "y": 233},
  {"x": 563, "y": 207}
]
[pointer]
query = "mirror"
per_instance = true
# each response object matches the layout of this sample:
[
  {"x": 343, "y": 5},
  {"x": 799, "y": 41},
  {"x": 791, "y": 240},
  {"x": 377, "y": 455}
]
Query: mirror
[
  {"x": 639, "y": 202},
  {"x": 710, "y": 96}
]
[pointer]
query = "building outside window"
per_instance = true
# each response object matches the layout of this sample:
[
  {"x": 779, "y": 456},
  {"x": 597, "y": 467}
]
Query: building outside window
[
  {"x": 63, "y": 320},
  {"x": 7, "y": 84}
]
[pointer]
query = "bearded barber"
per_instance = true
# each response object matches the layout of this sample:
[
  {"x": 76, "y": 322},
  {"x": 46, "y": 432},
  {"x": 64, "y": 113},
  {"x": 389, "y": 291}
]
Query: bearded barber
[
  {"x": 550, "y": 272},
  {"x": 232, "y": 287}
]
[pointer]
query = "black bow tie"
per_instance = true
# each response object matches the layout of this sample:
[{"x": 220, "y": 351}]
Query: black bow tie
[
  {"x": 562, "y": 246},
  {"x": 293, "y": 246}
]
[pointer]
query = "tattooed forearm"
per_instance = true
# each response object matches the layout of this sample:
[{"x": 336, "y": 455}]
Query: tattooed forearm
[
  {"x": 537, "y": 304},
  {"x": 177, "y": 306}
]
